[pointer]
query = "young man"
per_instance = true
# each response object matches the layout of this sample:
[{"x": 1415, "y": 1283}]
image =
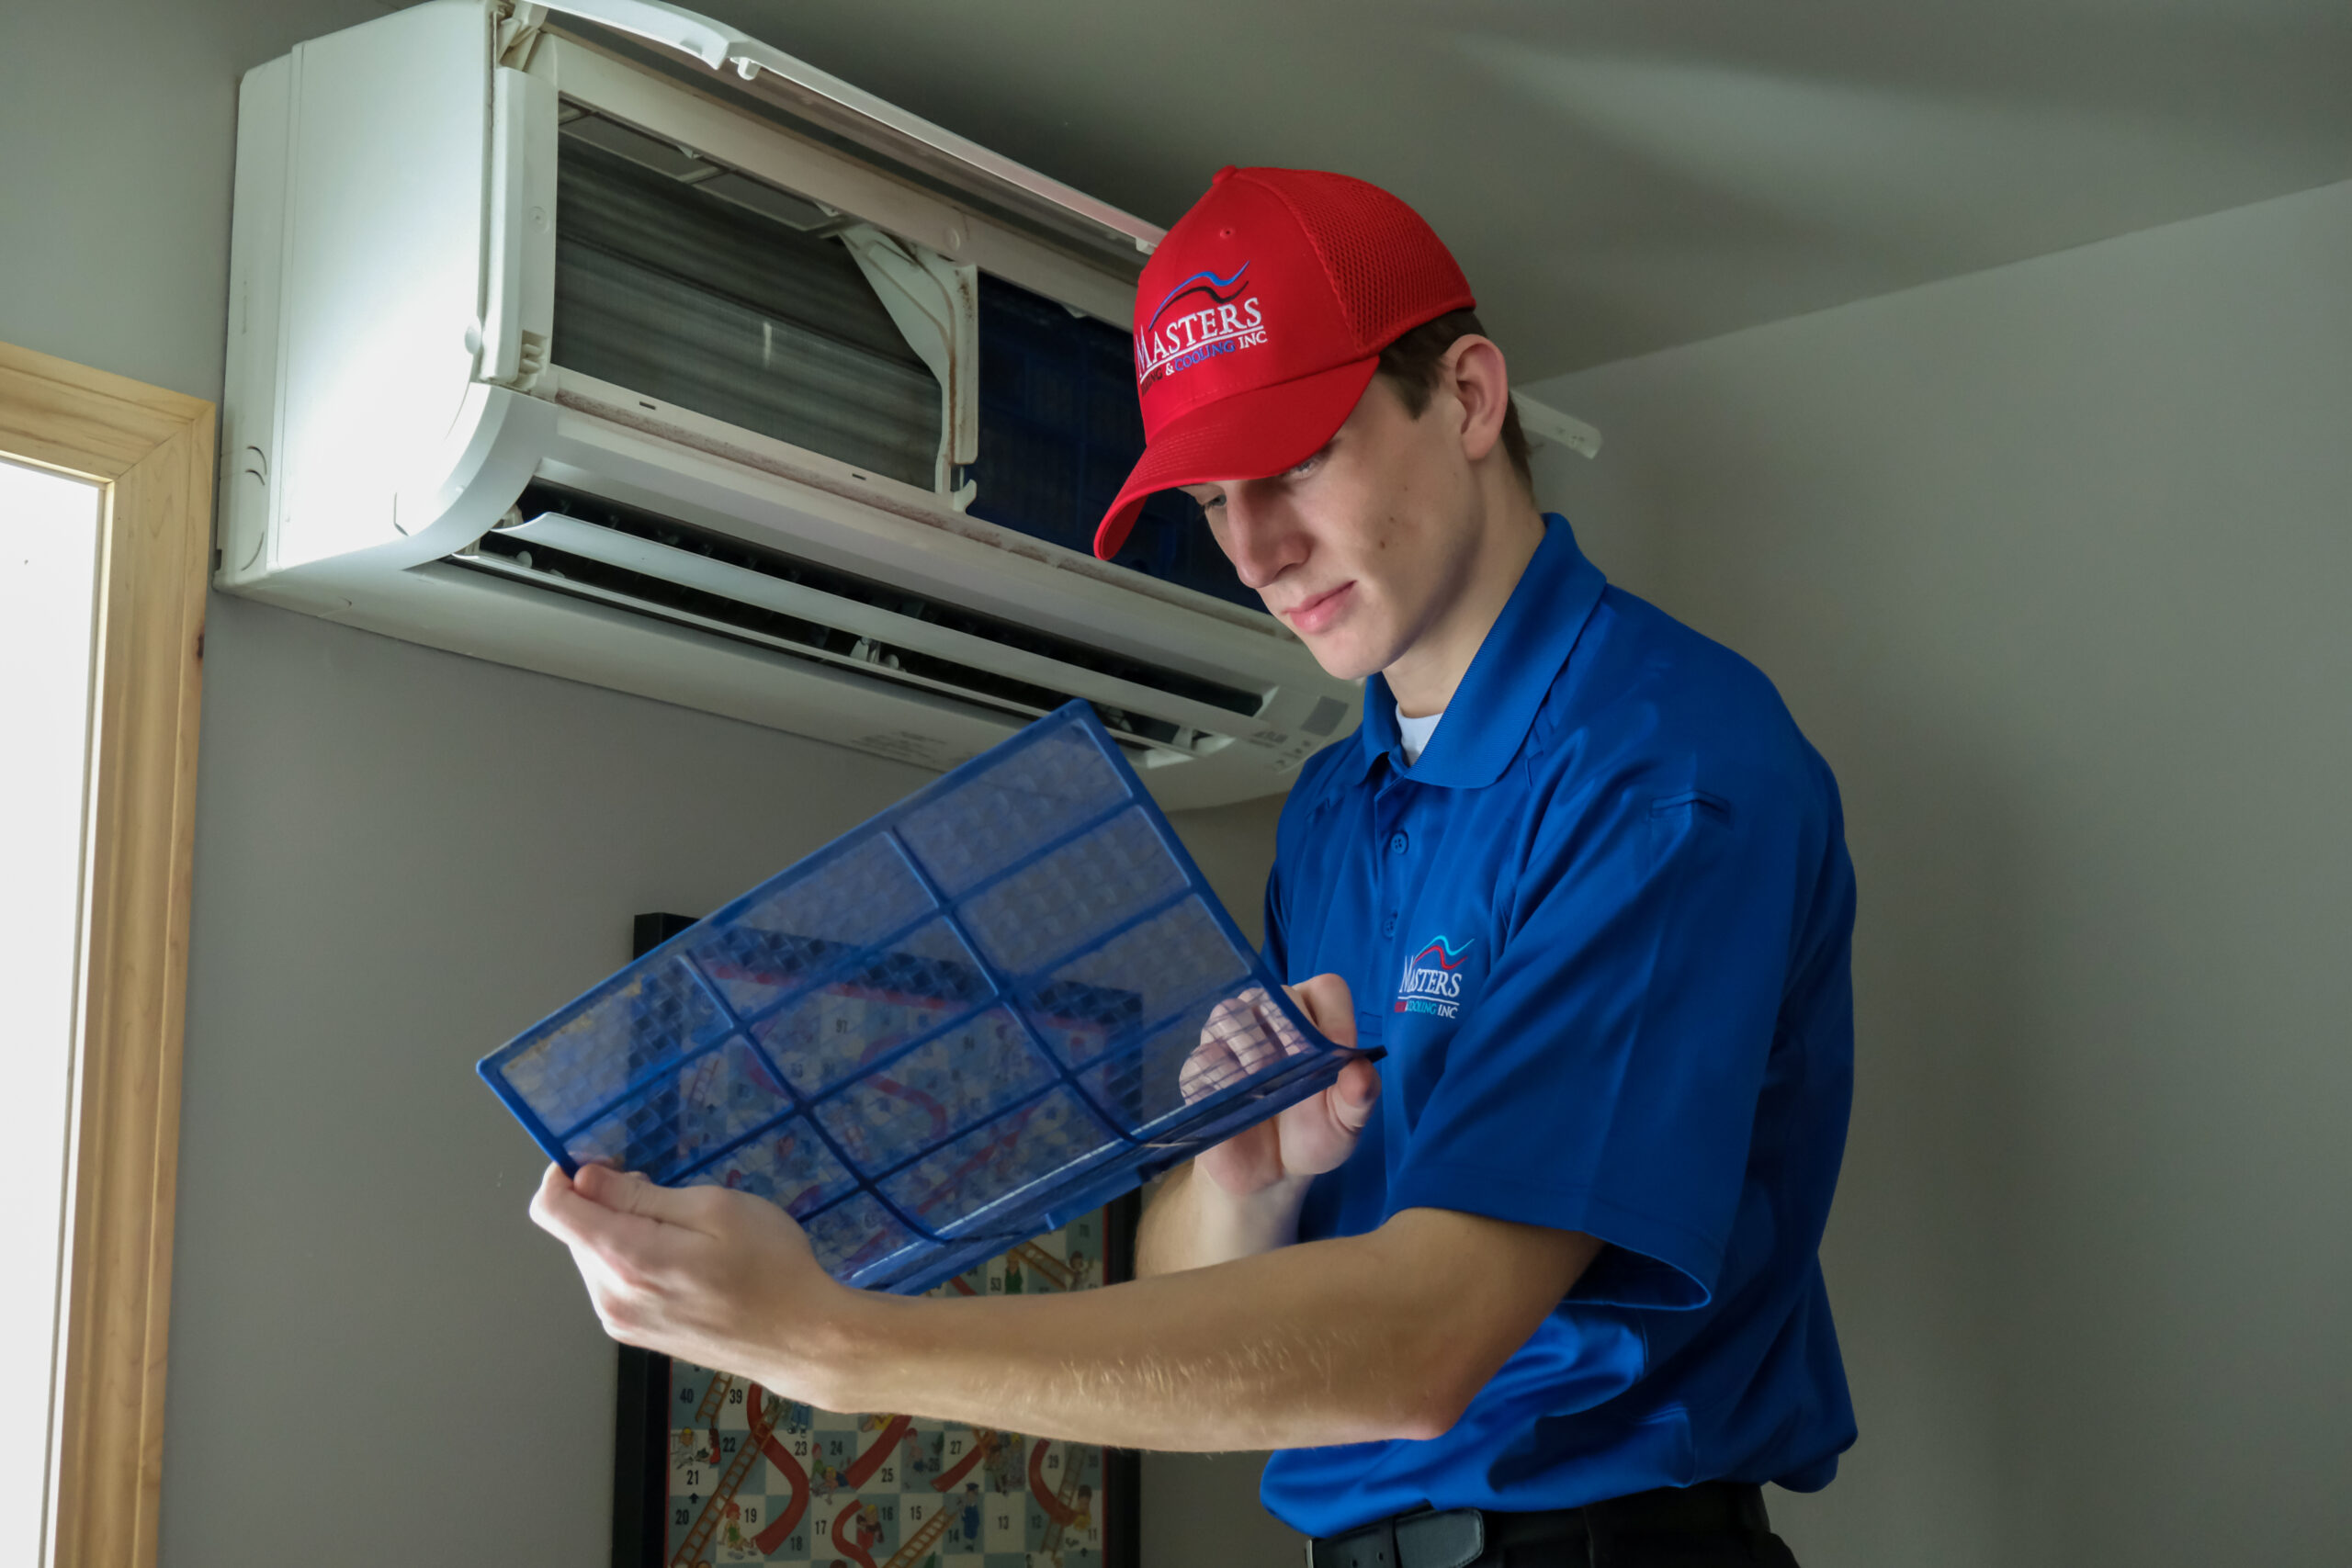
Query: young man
[{"x": 1543, "y": 1285}]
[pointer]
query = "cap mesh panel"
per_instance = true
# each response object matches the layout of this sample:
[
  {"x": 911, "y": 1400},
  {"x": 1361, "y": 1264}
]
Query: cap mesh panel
[{"x": 1389, "y": 268}]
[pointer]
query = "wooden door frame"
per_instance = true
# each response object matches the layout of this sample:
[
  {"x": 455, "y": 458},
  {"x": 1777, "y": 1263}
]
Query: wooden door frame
[{"x": 150, "y": 452}]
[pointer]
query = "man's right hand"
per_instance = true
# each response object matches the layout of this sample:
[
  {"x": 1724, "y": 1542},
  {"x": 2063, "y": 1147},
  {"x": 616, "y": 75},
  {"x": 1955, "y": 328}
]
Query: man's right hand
[{"x": 1246, "y": 1034}]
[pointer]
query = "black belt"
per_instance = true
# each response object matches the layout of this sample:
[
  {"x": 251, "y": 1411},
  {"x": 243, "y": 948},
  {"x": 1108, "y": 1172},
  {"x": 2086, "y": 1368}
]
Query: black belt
[{"x": 1457, "y": 1538}]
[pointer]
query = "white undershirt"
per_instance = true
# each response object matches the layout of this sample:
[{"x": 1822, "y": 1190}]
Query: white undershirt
[{"x": 1415, "y": 733}]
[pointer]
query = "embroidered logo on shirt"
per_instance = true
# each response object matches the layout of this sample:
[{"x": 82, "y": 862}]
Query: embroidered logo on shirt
[{"x": 1433, "y": 979}]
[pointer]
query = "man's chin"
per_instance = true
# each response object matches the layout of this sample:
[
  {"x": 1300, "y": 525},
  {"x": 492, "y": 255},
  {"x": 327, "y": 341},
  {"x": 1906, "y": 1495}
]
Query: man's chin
[{"x": 1342, "y": 658}]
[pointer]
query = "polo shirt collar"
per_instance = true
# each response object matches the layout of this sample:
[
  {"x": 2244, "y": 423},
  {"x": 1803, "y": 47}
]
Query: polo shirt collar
[{"x": 1514, "y": 668}]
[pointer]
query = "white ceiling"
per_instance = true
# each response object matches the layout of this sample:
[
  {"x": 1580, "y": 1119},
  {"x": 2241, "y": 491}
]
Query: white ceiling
[{"x": 1617, "y": 178}]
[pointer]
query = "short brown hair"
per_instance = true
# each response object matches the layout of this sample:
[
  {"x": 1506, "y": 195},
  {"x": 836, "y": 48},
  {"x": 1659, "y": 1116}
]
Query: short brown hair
[{"x": 1410, "y": 364}]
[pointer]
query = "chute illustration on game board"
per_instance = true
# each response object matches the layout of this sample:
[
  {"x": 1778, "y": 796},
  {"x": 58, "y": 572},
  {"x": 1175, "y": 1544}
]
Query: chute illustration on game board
[{"x": 757, "y": 1479}]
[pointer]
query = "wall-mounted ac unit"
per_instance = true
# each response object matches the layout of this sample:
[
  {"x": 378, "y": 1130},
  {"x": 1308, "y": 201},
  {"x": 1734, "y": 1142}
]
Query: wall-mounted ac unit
[{"x": 734, "y": 387}]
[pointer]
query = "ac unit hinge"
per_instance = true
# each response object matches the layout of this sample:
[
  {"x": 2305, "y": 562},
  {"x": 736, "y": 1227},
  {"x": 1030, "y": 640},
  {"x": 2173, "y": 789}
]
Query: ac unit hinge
[{"x": 518, "y": 31}]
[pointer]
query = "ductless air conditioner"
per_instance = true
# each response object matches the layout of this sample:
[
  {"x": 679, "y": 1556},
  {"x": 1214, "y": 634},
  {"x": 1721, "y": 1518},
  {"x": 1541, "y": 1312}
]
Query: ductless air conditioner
[{"x": 644, "y": 354}]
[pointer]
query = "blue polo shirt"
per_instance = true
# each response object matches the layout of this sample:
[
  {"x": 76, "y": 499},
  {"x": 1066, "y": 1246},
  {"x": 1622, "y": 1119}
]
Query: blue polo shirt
[{"x": 1603, "y": 929}]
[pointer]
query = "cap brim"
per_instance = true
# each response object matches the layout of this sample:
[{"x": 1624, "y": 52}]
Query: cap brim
[{"x": 1251, "y": 435}]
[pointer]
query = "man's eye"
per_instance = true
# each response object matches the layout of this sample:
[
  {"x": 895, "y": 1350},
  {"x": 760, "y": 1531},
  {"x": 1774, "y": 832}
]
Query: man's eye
[{"x": 1295, "y": 469}]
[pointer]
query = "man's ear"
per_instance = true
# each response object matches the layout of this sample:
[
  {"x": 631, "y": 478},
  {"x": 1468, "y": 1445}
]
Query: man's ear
[{"x": 1474, "y": 372}]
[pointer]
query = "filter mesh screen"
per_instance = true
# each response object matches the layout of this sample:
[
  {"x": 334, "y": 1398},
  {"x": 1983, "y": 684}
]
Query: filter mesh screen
[{"x": 1003, "y": 1002}]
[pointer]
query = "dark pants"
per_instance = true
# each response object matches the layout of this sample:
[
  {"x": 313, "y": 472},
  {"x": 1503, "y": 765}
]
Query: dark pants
[
  {"x": 1767, "y": 1551},
  {"x": 1715, "y": 1524}
]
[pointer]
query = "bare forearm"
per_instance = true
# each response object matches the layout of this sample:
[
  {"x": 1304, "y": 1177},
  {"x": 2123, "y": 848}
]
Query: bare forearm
[
  {"x": 1193, "y": 1223},
  {"x": 1309, "y": 1345}
]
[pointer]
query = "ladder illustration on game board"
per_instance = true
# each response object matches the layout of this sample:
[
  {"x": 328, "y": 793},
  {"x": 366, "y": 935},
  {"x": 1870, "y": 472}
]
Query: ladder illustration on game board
[
  {"x": 766, "y": 1411},
  {"x": 707, "y": 1411},
  {"x": 1052, "y": 1269},
  {"x": 923, "y": 1540},
  {"x": 1060, "y": 1510},
  {"x": 1067, "y": 1515},
  {"x": 927, "y": 1537}
]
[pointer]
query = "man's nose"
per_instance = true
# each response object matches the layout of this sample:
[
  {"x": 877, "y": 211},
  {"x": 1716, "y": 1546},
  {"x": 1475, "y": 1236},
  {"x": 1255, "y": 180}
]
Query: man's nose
[{"x": 1261, "y": 539}]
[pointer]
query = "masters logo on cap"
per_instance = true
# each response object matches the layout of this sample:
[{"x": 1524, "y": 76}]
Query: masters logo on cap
[
  {"x": 1260, "y": 321},
  {"x": 1202, "y": 316}
]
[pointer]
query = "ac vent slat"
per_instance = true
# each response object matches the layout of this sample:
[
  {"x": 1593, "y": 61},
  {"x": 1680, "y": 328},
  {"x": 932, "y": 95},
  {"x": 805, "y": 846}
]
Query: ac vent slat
[{"x": 641, "y": 559}]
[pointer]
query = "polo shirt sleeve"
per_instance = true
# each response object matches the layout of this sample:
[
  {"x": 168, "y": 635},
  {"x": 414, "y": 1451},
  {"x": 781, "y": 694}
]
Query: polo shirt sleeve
[{"x": 1606, "y": 1077}]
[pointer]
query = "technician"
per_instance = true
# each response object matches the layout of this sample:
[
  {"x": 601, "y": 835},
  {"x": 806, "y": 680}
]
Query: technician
[{"x": 1540, "y": 1287}]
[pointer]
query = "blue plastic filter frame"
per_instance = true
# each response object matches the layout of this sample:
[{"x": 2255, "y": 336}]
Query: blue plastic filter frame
[{"x": 1003, "y": 1002}]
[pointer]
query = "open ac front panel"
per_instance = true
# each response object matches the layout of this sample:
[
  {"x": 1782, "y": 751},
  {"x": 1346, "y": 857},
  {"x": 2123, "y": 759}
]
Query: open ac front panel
[{"x": 786, "y": 481}]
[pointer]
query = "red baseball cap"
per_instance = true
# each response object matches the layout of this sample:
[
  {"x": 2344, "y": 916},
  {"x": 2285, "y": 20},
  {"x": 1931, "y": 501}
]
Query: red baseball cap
[{"x": 1260, "y": 320}]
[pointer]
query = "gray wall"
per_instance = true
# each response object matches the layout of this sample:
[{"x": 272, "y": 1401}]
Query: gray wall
[
  {"x": 2050, "y": 561},
  {"x": 402, "y": 857},
  {"x": 118, "y": 135},
  {"x": 2054, "y": 564}
]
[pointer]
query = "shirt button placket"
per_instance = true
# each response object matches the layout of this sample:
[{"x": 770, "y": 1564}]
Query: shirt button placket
[
  {"x": 1383, "y": 877},
  {"x": 1398, "y": 842}
]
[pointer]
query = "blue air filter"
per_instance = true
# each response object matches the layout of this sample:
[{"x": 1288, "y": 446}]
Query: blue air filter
[{"x": 1001, "y": 1003}]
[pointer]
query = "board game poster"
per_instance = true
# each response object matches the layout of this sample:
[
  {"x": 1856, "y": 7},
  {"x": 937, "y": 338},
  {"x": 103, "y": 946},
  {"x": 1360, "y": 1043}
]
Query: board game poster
[
  {"x": 734, "y": 1475},
  {"x": 712, "y": 1472}
]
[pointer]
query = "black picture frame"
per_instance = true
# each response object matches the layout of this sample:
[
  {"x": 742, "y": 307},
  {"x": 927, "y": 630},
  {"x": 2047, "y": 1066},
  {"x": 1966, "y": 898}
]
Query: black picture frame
[{"x": 641, "y": 1424}]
